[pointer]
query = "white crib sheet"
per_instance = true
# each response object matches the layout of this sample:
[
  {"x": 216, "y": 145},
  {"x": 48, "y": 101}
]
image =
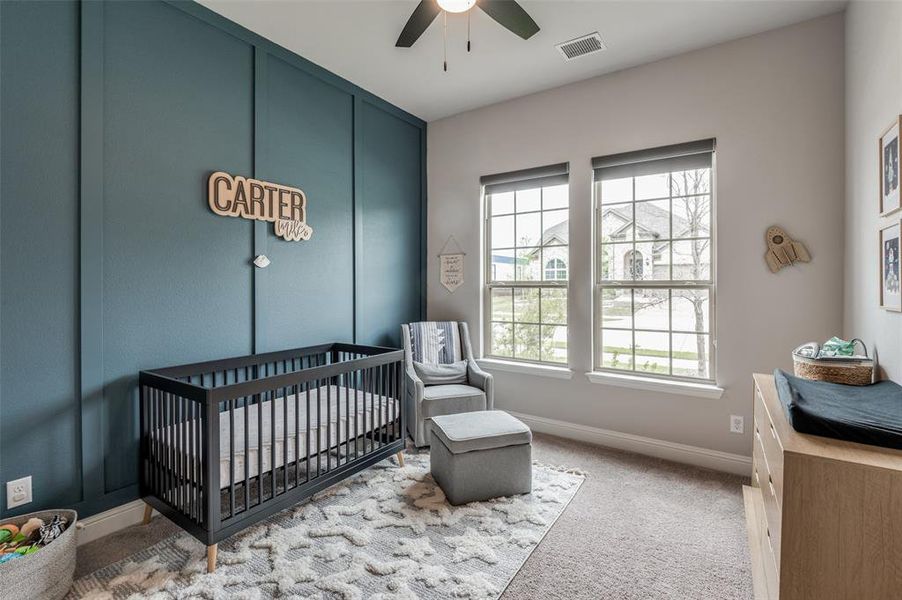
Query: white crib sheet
[{"x": 366, "y": 409}]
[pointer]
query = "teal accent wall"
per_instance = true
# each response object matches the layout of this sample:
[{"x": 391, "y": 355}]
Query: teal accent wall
[{"x": 112, "y": 116}]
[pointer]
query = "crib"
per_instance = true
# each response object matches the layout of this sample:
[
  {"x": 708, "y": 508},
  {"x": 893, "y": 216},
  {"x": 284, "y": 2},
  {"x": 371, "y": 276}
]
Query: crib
[{"x": 227, "y": 443}]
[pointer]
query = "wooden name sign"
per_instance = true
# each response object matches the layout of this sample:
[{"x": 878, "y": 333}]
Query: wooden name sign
[{"x": 285, "y": 207}]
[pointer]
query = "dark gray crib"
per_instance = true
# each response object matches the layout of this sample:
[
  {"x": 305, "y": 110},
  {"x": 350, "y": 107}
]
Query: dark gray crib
[{"x": 229, "y": 442}]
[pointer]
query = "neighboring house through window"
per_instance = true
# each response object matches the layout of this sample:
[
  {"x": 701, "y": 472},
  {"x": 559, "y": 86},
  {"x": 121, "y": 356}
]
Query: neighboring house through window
[
  {"x": 555, "y": 269},
  {"x": 527, "y": 253},
  {"x": 654, "y": 288}
]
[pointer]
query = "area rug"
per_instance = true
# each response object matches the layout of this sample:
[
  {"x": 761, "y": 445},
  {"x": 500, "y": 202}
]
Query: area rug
[{"x": 387, "y": 532}]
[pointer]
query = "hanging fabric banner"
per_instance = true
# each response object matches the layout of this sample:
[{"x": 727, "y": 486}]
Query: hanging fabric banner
[{"x": 451, "y": 266}]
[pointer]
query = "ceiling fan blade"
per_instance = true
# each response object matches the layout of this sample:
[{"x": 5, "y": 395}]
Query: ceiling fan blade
[
  {"x": 510, "y": 15},
  {"x": 423, "y": 16}
]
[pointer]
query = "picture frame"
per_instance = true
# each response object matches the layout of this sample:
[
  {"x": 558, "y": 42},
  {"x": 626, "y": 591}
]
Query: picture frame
[
  {"x": 890, "y": 239},
  {"x": 890, "y": 147}
]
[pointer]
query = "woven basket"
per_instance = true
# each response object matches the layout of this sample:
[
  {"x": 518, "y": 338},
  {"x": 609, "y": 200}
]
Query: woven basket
[{"x": 847, "y": 371}]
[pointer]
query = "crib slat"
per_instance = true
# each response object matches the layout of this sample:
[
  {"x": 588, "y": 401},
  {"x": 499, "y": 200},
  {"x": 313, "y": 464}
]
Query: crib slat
[
  {"x": 247, "y": 455},
  {"x": 259, "y": 402},
  {"x": 361, "y": 393},
  {"x": 307, "y": 436},
  {"x": 170, "y": 450},
  {"x": 189, "y": 454},
  {"x": 391, "y": 402},
  {"x": 198, "y": 464},
  {"x": 382, "y": 393},
  {"x": 297, "y": 433},
  {"x": 328, "y": 425},
  {"x": 396, "y": 404},
  {"x": 347, "y": 418},
  {"x": 371, "y": 431},
  {"x": 157, "y": 432},
  {"x": 284, "y": 434},
  {"x": 179, "y": 454},
  {"x": 231, "y": 457},
  {"x": 358, "y": 383},
  {"x": 272, "y": 443},
  {"x": 319, "y": 423}
]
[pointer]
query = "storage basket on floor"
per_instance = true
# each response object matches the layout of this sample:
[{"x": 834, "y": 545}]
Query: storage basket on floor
[
  {"x": 835, "y": 369},
  {"x": 46, "y": 574}
]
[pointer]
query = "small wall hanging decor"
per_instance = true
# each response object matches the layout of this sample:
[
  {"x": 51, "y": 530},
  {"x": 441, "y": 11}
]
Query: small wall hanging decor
[
  {"x": 890, "y": 245},
  {"x": 285, "y": 207},
  {"x": 451, "y": 266},
  {"x": 782, "y": 251},
  {"x": 889, "y": 168}
]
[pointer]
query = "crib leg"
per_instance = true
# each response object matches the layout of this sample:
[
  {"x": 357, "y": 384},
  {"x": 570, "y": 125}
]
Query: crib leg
[
  {"x": 211, "y": 558},
  {"x": 148, "y": 513},
  {"x": 400, "y": 459}
]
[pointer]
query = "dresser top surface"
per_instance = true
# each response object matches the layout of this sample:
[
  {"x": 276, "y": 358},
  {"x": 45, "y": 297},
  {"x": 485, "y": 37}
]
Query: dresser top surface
[{"x": 800, "y": 443}]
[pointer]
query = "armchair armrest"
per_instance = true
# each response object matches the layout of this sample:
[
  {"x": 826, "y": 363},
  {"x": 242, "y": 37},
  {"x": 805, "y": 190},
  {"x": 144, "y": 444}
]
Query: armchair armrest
[
  {"x": 415, "y": 385},
  {"x": 484, "y": 381}
]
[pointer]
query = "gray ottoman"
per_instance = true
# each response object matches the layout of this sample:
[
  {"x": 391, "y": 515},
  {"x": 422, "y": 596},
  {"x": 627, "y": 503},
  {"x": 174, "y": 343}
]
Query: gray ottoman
[{"x": 480, "y": 455}]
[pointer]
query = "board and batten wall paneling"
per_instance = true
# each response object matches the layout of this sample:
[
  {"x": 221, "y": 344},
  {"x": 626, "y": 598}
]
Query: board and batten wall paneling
[
  {"x": 113, "y": 116},
  {"x": 39, "y": 74},
  {"x": 176, "y": 281},
  {"x": 308, "y": 290},
  {"x": 389, "y": 226}
]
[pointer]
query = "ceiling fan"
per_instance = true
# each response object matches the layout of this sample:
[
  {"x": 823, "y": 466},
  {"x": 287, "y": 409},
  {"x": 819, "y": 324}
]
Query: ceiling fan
[{"x": 508, "y": 13}]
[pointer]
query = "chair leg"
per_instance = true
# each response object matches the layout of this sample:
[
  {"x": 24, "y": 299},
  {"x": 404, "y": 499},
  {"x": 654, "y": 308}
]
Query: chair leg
[
  {"x": 400, "y": 459},
  {"x": 211, "y": 558},
  {"x": 148, "y": 513}
]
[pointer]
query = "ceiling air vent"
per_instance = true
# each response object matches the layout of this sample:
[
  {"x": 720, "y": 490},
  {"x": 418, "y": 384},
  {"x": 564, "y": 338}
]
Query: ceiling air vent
[{"x": 581, "y": 46}]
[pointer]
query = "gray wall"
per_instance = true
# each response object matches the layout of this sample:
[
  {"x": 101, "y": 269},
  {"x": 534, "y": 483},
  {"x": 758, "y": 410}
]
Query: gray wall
[
  {"x": 774, "y": 102},
  {"x": 873, "y": 100},
  {"x": 113, "y": 115}
]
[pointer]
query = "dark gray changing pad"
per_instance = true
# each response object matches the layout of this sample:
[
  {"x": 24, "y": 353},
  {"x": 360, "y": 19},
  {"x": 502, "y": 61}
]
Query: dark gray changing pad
[{"x": 870, "y": 414}]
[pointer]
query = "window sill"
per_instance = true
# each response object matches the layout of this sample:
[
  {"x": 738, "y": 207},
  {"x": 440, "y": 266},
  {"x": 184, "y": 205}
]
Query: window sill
[
  {"x": 650, "y": 384},
  {"x": 493, "y": 364}
]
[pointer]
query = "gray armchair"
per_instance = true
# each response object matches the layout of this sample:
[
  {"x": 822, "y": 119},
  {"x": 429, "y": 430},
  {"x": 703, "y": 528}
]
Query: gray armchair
[{"x": 467, "y": 391}]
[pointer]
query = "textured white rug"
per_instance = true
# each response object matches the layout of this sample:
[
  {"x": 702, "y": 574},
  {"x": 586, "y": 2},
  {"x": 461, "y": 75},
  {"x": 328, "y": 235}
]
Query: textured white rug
[{"x": 385, "y": 533}]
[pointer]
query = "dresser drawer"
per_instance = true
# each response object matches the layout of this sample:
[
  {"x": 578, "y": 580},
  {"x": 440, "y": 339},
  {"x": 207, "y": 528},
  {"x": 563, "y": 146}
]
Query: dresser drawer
[
  {"x": 763, "y": 479},
  {"x": 763, "y": 542},
  {"x": 773, "y": 450},
  {"x": 771, "y": 564}
]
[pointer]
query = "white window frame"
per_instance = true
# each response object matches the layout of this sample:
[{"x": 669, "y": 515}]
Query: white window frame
[
  {"x": 599, "y": 285},
  {"x": 523, "y": 180}
]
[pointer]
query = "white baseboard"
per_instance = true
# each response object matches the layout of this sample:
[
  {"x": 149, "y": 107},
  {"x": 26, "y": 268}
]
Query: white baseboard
[
  {"x": 693, "y": 455},
  {"x": 111, "y": 521}
]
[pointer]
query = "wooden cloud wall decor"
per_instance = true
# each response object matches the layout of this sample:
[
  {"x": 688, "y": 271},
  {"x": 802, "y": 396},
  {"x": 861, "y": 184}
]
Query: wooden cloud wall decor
[{"x": 285, "y": 207}]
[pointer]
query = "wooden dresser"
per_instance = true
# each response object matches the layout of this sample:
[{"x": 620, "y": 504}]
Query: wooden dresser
[{"x": 824, "y": 516}]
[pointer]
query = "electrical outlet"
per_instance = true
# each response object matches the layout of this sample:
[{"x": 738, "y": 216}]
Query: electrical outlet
[
  {"x": 737, "y": 424},
  {"x": 18, "y": 492}
]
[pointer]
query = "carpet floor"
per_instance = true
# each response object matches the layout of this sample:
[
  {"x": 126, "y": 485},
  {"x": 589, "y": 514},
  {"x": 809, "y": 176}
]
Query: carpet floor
[{"x": 638, "y": 528}]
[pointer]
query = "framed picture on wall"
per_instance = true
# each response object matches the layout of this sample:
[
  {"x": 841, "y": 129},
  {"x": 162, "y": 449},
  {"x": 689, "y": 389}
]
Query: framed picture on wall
[
  {"x": 889, "y": 168},
  {"x": 890, "y": 283}
]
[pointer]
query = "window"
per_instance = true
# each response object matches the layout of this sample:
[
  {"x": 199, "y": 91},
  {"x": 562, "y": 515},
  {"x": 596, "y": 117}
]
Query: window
[
  {"x": 555, "y": 269},
  {"x": 527, "y": 252},
  {"x": 654, "y": 276}
]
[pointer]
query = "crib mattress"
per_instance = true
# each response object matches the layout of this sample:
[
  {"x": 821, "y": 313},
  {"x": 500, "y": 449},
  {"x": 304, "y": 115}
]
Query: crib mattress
[{"x": 326, "y": 403}]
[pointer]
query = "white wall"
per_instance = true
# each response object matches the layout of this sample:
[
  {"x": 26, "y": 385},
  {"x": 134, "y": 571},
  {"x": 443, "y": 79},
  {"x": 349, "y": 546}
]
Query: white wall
[
  {"x": 873, "y": 100},
  {"x": 774, "y": 102}
]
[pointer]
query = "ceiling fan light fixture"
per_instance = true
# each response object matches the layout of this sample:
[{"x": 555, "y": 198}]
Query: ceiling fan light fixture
[{"x": 456, "y": 6}]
